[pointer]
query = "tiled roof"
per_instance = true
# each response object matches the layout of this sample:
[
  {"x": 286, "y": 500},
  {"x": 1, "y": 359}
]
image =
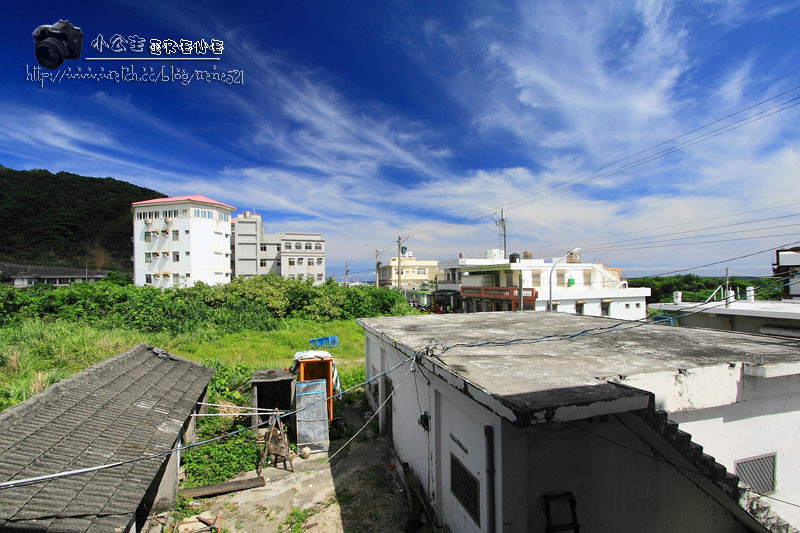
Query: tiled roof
[
  {"x": 130, "y": 405},
  {"x": 192, "y": 198}
]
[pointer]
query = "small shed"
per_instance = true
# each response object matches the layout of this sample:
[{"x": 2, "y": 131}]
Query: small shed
[
  {"x": 271, "y": 389},
  {"x": 134, "y": 405}
]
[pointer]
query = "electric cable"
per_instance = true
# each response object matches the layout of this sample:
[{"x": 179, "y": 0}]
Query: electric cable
[
  {"x": 49, "y": 477},
  {"x": 378, "y": 410},
  {"x": 552, "y": 191}
]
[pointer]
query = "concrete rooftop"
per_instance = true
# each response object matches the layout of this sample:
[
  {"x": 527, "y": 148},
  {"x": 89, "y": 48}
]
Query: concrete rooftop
[{"x": 542, "y": 369}]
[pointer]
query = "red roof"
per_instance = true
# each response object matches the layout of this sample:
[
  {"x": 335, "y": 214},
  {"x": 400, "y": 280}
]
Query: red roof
[{"x": 193, "y": 198}]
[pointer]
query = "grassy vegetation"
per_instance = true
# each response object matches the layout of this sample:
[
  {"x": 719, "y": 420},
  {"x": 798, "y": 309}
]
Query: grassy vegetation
[{"x": 35, "y": 353}]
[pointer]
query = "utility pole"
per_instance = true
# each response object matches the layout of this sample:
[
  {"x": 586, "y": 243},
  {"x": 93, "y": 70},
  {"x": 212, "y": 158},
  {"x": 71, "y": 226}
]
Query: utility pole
[
  {"x": 400, "y": 240},
  {"x": 501, "y": 228},
  {"x": 377, "y": 267},
  {"x": 346, "y": 273}
]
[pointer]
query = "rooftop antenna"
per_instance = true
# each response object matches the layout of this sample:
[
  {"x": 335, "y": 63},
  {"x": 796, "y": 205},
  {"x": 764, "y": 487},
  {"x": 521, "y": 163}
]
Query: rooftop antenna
[{"x": 501, "y": 231}]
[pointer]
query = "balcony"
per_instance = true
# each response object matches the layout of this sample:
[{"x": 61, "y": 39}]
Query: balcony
[{"x": 501, "y": 293}]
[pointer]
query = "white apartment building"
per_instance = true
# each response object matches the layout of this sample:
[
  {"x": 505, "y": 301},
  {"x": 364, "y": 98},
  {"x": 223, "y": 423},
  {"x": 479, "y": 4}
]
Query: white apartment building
[
  {"x": 292, "y": 255},
  {"x": 492, "y": 284},
  {"x": 181, "y": 240}
]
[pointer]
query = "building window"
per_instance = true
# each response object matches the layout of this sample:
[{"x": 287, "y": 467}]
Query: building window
[
  {"x": 298, "y": 246},
  {"x": 319, "y": 260},
  {"x": 188, "y": 274},
  {"x": 466, "y": 488},
  {"x": 176, "y": 256},
  {"x": 578, "y": 308},
  {"x": 263, "y": 262},
  {"x": 319, "y": 276},
  {"x": 318, "y": 246},
  {"x": 278, "y": 262},
  {"x": 299, "y": 276},
  {"x": 146, "y": 236},
  {"x": 299, "y": 260},
  {"x": 423, "y": 271},
  {"x": 263, "y": 247},
  {"x": 536, "y": 278},
  {"x": 587, "y": 278},
  {"x": 605, "y": 308},
  {"x": 758, "y": 472},
  {"x": 165, "y": 233},
  {"x": 148, "y": 258},
  {"x": 287, "y": 246},
  {"x": 638, "y": 306},
  {"x": 148, "y": 278},
  {"x": 186, "y": 232},
  {"x": 175, "y": 234},
  {"x": 561, "y": 278},
  {"x": 175, "y": 279},
  {"x": 627, "y": 306},
  {"x": 308, "y": 246},
  {"x": 291, "y": 261},
  {"x": 291, "y": 276},
  {"x": 187, "y": 253}
]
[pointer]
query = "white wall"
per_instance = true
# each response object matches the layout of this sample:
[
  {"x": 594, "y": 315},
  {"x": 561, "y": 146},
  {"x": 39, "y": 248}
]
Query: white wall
[
  {"x": 428, "y": 452},
  {"x": 208, "y": 243}
]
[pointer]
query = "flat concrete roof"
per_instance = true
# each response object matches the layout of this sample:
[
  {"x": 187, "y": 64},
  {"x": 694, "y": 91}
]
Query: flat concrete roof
[
  {"x": 760, "y": 308},
  {"x": 522, "y": 359}
]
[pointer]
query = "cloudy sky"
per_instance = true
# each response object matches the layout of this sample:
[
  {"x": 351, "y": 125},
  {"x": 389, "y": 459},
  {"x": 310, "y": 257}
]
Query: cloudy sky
[{"x": 655, "y": 136}]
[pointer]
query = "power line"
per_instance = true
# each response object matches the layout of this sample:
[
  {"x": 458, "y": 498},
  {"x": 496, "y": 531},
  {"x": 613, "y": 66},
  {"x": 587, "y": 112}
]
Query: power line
[
  {"x": 688, "y": 223},
  {"x": 725, "y": 260},
  {"x": 596, "y": 246},
  {"x": 543, "y": 194},
  {"x": 49, "y": 477}
]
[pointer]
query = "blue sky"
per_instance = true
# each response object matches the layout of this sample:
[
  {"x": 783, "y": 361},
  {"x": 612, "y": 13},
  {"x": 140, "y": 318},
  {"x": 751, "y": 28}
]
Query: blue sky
[{"x": 366, "y": 120}]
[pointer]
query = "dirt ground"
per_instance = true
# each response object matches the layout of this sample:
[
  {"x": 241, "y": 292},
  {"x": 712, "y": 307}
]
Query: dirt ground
[{"x": 360, "y": 490}]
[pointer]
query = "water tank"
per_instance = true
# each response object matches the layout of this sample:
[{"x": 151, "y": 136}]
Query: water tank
[
  {"x": 527, "y": 254},
  {"x": 751, "y": 294},
  {"x": 514, "y": 258},
  {"x": 677, "y": 297}
]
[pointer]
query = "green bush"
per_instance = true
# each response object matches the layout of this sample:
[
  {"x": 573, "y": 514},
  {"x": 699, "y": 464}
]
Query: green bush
[
  {"x": 221, "y": 460},
  {"x": 257, "y": 303}
]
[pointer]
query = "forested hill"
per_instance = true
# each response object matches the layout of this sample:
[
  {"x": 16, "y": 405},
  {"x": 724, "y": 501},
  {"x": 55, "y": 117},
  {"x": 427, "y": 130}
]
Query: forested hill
[{"x": 67, "y": 220}]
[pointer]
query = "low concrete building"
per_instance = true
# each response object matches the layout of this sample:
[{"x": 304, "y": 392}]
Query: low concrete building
[
  {"x": 751, "y": 316},
  {"x": 24, "y": 276},
  {"x": 134, "y": 405},
  {"x": 510, "y": 419}
]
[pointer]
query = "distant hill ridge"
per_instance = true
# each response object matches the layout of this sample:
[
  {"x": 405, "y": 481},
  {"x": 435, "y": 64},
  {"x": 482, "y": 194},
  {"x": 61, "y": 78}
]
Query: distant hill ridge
[{"x": 67, "y": 220}]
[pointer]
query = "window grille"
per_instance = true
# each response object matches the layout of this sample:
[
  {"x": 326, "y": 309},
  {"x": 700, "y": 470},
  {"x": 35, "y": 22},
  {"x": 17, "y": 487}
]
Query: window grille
[
  {"x": 466, "y": 488},
  {"x": 758, "y": 472}
]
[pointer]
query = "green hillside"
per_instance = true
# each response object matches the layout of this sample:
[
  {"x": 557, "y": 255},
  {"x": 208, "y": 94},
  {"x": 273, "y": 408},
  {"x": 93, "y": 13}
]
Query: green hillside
[{"x": 67, "y": 220}]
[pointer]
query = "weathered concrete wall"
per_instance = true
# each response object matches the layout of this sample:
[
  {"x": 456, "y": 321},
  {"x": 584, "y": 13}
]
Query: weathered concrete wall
[
  {"x": 746, "y": 324},
  {"x": 456, "y": 426},
  {"x": 752, "y": 428},
  {"x": 617, "y": 488}
]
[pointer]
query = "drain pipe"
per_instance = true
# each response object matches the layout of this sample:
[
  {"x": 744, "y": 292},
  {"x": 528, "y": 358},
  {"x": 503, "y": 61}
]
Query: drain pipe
[{"x": 488, "y": 432}]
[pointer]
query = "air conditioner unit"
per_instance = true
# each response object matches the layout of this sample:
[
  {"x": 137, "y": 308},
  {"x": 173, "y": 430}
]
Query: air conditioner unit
[
  {"x": 167, "y": 220},
  {"x": 148, "y": 221}
]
